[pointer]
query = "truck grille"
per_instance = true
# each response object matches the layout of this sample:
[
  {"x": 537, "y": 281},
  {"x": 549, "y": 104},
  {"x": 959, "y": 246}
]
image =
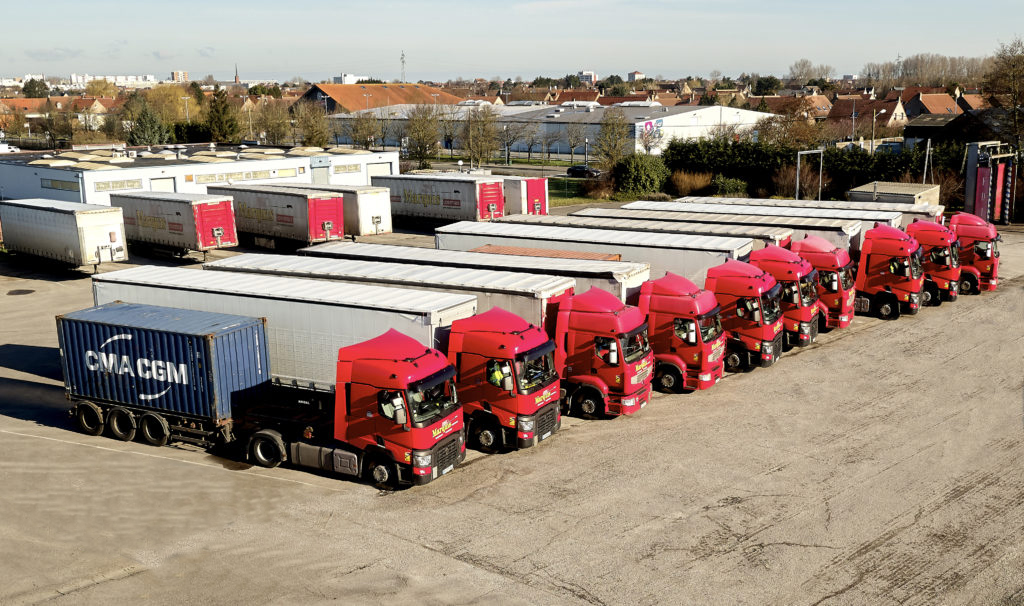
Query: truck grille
[
  {"x": 546, "y": 419},
  {"x": 814, "y": 329},
  {"x": 446, "y": 453},
  {"x": 777, "y": 344}
]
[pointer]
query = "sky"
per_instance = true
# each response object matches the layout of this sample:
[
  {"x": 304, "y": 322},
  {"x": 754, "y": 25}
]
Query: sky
[{"x": 317, "y": 39}]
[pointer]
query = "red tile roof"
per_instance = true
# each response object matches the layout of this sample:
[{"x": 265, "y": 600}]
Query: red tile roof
[
  {"x": 352, "y": 97},
  {"x": 909, "y": 92},
  {"x": 578, "y": 95},
  {"x": 939, "y": 104},
  {"x": 626, "y": 99}
]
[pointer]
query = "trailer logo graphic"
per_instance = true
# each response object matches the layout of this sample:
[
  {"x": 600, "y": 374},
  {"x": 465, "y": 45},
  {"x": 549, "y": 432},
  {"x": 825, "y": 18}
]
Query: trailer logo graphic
[{"x": 163, "y": 371}]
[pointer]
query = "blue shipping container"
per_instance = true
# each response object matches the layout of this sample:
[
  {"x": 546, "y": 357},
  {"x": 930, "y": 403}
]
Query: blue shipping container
[{"x": 160, "y": 358}]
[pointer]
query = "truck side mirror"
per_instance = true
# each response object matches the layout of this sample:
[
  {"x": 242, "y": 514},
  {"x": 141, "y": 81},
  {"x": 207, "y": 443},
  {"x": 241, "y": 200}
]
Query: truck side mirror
[
  {"x": 507, "y": 384},
  {"x": 400, "y": 416},
  {"x": 613, "y": 353},
  {"x": 691, "y": 334}
]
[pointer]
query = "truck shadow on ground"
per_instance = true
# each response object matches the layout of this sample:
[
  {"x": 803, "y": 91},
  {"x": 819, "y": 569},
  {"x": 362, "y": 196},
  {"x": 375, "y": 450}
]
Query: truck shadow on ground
[
  {"x": 34, "y": 268},
  {"x": 32, "y": 359},
  {"x": 36, "y": 402}
]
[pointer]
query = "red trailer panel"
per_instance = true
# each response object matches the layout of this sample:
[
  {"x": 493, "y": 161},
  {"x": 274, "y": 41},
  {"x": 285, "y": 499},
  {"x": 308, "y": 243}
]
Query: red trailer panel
[
  {"x": 537, "y": 196},
  {"x": 491, "y": 199},
  {"x": 209, "y": 217}
]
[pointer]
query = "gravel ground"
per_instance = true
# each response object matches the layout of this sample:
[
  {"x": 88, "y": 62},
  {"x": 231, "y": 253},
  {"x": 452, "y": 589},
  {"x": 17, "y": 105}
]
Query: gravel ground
[{"x": 880, "y": 466}]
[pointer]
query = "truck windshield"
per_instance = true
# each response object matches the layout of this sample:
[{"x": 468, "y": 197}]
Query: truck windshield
[
  {"x": 809, "y": 288},
  {"x": 770, "y": 305},
  {"x": 846, "y": 276},
  {"x": 710, "y": 325},
  {"x": 634, "y": 344},
  {"x": 432, "y": 398},
  {"x": 986, "y": 249},
  {"x": 915, "y": 263},
  {"x": 536, "y": 368},
  {"x": 944, "y": 255},
  {"x": 954, "y": 254}
]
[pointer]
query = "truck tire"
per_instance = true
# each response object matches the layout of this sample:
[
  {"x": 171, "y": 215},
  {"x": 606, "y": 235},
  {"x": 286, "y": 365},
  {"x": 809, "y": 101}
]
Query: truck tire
[
  {"x": 590, "y": 403},
  {"x": 381, "y": 473},
  {"x": 669, "y": 379},
  {"x": 486, "y": 434},
  {"x": 887, "y": 307},
  {"x": 155, "y": 430},
  {"x": 930, "y": 296},
  {"x": 90, "y": 418},
  {"x": 969, "y": 284},
  {"x": 266, "y": 448},
  {"x": 121, "y": 423}
]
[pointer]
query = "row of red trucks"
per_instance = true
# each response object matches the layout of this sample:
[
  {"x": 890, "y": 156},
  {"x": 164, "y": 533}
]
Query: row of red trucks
[{"x": 399, "y": 409}]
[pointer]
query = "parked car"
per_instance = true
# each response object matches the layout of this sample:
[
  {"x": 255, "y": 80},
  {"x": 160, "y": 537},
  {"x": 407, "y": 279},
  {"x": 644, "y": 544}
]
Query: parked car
[{"x": 582, "y": 171}]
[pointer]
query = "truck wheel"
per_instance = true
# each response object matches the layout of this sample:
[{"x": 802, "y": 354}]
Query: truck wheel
[
  {"x": 155, "y": 430},
  {"x": 90, "y": 418},
  {"x": 888, "y": 308},
  {"x": 930, "y": 295},
  {"x": 485, "y": 435},
  {"x": 969, "y": 284},
  {"x": 266, "y": 448},
  {"x": 590, "y": 403},
  {"x": 669, "y": 379},
  {"x": 381, "y": 473},
  {"x": 735, "y": 361},
  {"x": 121, "y": 424}
]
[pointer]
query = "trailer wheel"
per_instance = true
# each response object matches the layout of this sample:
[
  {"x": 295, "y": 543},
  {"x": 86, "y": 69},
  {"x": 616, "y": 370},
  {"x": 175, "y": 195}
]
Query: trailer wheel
[
  {"x": 381, "y": 473},
  {"x": 90, "y": 418},
  {"x": 590, "y": 403},
  {"x": 669, "y": 379},
  {"x": 887, "y": 307},
  {"x": 155, "y": 430},
  {"x": 969, "y": 284},
  {"x": 121, "y": 424},
  {"x": 266, "y": 448}
]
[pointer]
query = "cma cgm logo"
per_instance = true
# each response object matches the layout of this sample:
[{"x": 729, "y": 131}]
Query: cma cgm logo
[{"x": 120, "y": 364}]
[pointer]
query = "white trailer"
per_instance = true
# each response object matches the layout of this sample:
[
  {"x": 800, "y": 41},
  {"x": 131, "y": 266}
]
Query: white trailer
[
  {"x": 70, "y": 232},
  {"x": 178, "y": 221},
  {"x": 367, "y": 207},
  {"x": 525, "y": 195},
  {"x": 282, "y": 213},
  {"x": 762, "y": 236},
  {"x": 617, "y": 277},
  {"x": 444, "y": 197},
  {"x": 529, "y": 296},
  {"x": 896, "y": 193},
  {"x": 842, "y": 233},
  {"x": 308, "y": 321},
  {"x": 867, "y": 218},
  {"x": 686, "y": 255},
  {"x": 923, "y": 212}
]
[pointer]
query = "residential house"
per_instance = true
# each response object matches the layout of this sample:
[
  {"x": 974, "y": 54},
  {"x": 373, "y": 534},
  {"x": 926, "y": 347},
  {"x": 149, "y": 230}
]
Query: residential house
[
  {"x": 906, "y": 93},
  {"x": 810, "y": 107},
  {"x": 353, "y": 97},
  {"x": 967, "y": 102},
  {"x": 539, "y": 96},
  {"x": 931, "y": 103},
  {"x": 885, "y": 113},
  {"x": 635, "y": 76},
  {"x": 578, "y": 96}
]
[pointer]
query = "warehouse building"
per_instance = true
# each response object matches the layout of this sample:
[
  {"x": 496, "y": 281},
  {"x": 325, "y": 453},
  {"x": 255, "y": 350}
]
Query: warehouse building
[
  {"x": 651, "y": 124},
  {"x": 93, "y": 175}
]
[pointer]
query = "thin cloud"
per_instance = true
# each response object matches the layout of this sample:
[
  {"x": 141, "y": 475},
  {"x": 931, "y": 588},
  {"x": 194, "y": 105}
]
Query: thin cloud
[
  {"x": 160, "y": 55},
  {"x": 207, "y": 51},
  {"x": 53, "y": 54}
]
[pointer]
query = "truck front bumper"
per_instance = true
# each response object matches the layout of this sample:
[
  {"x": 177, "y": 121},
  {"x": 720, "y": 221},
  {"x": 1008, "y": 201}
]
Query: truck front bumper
[
  {"x": 545, "y": 422},
  {"x": 628, "y": 404},
  {"x": 704, "y": 379}
]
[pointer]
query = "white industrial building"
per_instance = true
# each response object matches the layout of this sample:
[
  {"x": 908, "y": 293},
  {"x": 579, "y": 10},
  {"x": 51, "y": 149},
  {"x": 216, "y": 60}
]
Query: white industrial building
[
  {"x": 662, "y": 123},
  {"x": 91, "y": 176}
]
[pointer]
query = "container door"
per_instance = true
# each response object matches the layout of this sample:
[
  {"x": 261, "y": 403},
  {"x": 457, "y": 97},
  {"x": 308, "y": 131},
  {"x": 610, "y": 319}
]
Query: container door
[
  {"x": 326, "y": 219},
  {"x": 215, "y": 224},
  {"x": 997, "y": 193},
  {"x": 491, "y": 201},
  {"x": 536, "y": 196}
]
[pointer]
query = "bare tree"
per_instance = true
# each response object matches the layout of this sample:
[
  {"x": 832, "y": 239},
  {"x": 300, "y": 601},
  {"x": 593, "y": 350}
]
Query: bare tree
[
  {"x": 801, "y": 71},
  {"x": 311, "y": 119},
  {"x": 532, "y": 140},
  {"x": 649, "y": 139},
  {"x": 512, "y": 133},
  {"x": 549, "y": 137},
  {"x": 1007, "y": 77},
  {"x": 421, "y": 131},
  {"x": 362, "y": 129},
  {"x": 612, "y": 143},
  {"x": 448, "y": 123},
  {"x": 389, "y": 127},
  {"x": 575, "y": 136},
  {"x": 271, "y": 121},
  {"x": 479, "y": 134}
]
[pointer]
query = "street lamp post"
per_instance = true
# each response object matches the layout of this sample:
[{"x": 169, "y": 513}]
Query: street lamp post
[
  {"x": 367, "y": 97},
  {"x": 504, "y": 129},
  {"x": 586, "y": 151},
  {"x": 187, "y": 98},
  {"x": 249, "y": 111},
  {"x": 874, "y": 114},
  {"x": 853, "y": 122}
]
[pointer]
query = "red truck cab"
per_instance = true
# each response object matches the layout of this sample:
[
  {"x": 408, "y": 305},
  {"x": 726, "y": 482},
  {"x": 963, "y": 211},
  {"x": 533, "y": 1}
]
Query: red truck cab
[
  {"x": 507, "y": 380},
  {"x": 889, "y": 274},
  {"x": 685, "y": 333},
  {"x": 751, "y": 314},
  {"x": 940, "y": 261},
  {"x": 603, "y": 353},
  {"x": 799, "y": 295},
  {"x": 396, "y": 406},
  {"x": 979, "y": 253},
  {"x": 835, "y": 280}
]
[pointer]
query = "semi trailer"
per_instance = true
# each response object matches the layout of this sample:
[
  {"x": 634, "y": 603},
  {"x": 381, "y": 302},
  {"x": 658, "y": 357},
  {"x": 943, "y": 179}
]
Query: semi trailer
[
  {"x": 923, "y": 212},
  {"x": 751, "y": 314},
  {"x": 525, "y": 195},
  {"x": 178, "y": 222},
  {"x": 686, "y": 255},
  {"x": 444, "y": 197},
  {"x": 620, "y": 278},
  {"x": 71, "y": 233},
  {"x": 276, "y": 217},
  {"x": 367, "y": 208}
]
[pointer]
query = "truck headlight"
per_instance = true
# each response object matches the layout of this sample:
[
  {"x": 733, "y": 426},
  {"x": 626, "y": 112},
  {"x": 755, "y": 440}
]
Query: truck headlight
[
  {"x": 421, "y": 459},
  {"x": 627, "y": 402},
  {"x": 525, "y": 423},
  {"x": 805, "y": 328},
  {"x": 704, "y": 377},
  {"x": 766, "y": 348}
]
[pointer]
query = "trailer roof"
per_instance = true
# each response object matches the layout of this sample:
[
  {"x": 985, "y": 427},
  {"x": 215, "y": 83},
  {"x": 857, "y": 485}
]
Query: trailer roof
[
  {"x": 156, "y": 317},
  {"x": 345, "y": 189},
  {"x": 463, "y": 177},
  {"x": 296, "y": 189},
  {"x": 892, "y": 187},
  {"x": 555, "y": 266},
  {"x": 170, "y": 196},
  {"x": 574, "y": 220},
  {"x": 419, "y": 302},
  {"x": 456, "y": 278},
  {"x": 611, "y": 238},
  {"x": 848, "y": 226},
  {"x": 929, "y": 209},
  {"x": 59, "y": 206},
  {"x": 710, "y": 205}
]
